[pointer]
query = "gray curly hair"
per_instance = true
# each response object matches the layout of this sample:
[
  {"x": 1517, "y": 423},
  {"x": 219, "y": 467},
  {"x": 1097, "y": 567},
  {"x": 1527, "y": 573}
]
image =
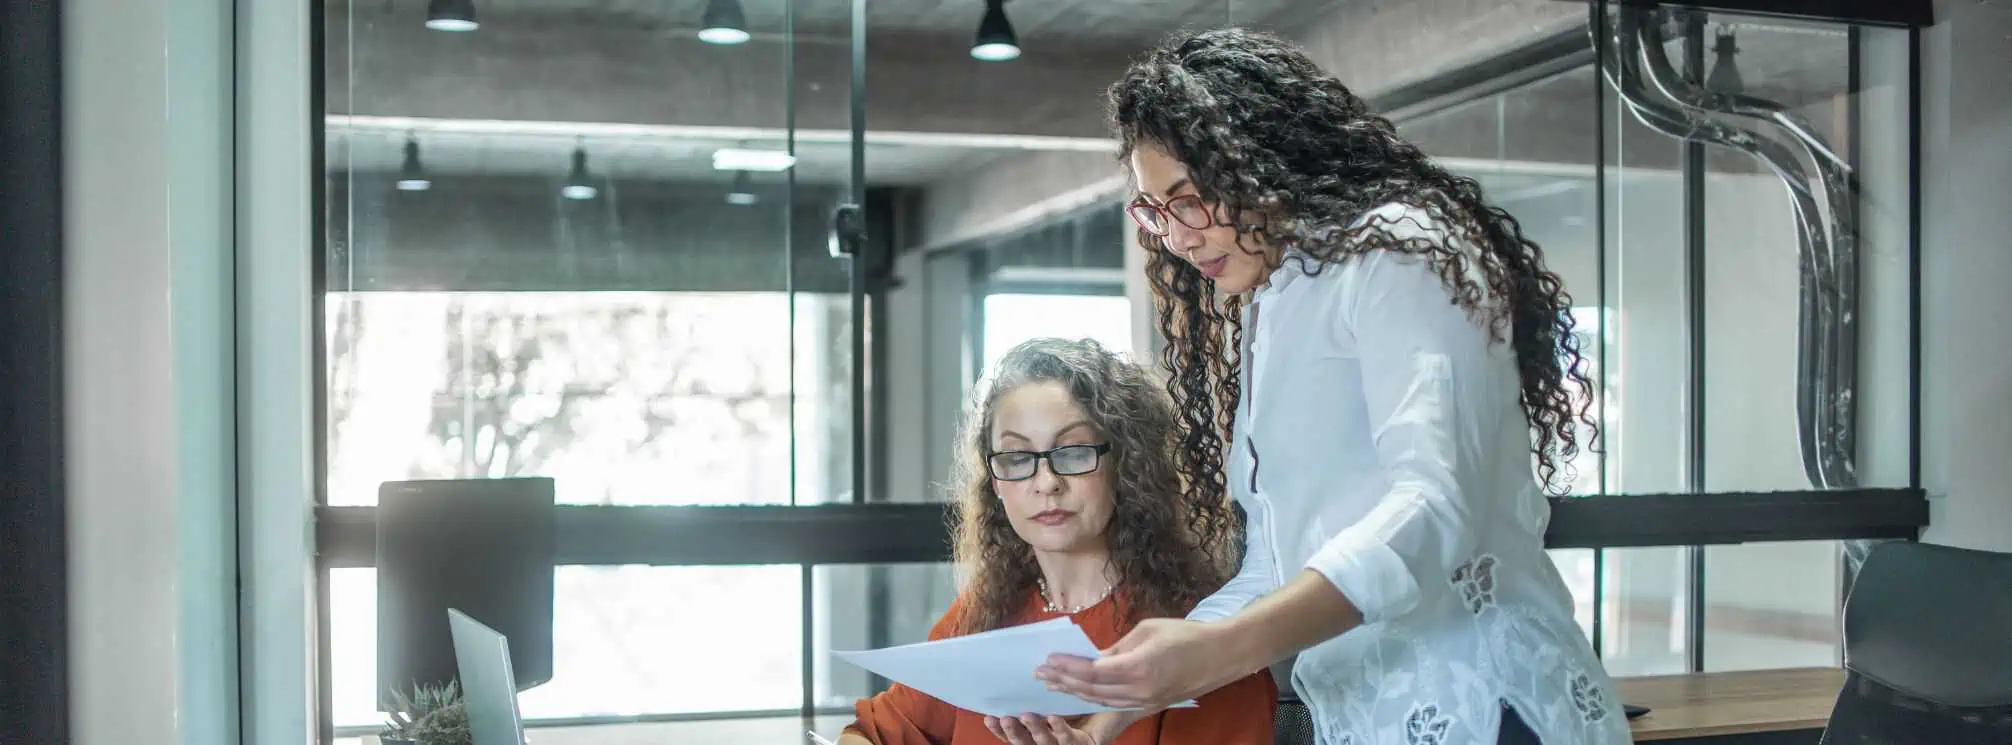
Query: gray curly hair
[{"x": 1167, "y": 550}]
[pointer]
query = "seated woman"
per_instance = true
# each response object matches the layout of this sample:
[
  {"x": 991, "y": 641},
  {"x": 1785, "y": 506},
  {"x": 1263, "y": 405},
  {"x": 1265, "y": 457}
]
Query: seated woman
[{"x": 1071, "y": 504}]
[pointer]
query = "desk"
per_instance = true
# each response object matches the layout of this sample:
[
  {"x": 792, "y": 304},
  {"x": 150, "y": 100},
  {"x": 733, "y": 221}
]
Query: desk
[{"x": 1760, "y": 706}]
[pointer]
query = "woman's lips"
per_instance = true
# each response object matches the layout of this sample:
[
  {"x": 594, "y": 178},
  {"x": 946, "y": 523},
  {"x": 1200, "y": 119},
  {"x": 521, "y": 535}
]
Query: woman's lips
[
  {"x": 1213, "y": 268},
  {"x": 1053, "y": 517}
]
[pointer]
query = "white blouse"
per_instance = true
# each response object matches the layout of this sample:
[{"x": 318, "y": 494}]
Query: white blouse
[{"x": 1380, "y": 442}]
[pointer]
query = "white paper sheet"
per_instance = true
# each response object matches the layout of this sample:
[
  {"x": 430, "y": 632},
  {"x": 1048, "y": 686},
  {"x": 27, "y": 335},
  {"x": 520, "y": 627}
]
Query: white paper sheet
[{"x": 990, "y": 673}]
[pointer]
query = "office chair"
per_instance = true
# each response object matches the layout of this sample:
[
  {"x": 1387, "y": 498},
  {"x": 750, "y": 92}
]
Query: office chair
[
  {"x": 1291, "y": 723},
  {"x": 1928, "y": 649}
]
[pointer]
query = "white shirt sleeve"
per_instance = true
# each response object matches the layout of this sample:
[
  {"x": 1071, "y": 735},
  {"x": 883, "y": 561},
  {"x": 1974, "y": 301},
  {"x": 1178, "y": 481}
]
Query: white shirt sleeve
[
  {"x": 1419, "y": 354},
  {"x": 1253, "y": 578}
]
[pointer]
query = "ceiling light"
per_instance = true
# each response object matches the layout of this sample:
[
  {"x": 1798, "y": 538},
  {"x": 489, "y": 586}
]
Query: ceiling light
[
  {"x": 451, "y": 15},
  {"x": 1725, "y": 77},
  {"x": 996, "y": 41},
  {"x": 742, "y": 192},
  {"x": 579, "y": 183},
  {"x": 768, "y": 161},
  {"x": 412, "y": 176},
  {"x": 724, "y": 23}
]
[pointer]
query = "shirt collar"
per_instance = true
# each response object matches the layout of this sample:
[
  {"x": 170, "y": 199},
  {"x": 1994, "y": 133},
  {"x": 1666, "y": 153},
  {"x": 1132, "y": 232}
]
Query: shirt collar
[
  {"x": 1291, "y": 267},
  {"x": 1296, "y": 262}
]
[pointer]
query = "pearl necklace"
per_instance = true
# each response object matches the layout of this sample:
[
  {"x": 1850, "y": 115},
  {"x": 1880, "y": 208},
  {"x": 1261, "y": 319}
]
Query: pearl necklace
[{"x": 1048, "y": 603}]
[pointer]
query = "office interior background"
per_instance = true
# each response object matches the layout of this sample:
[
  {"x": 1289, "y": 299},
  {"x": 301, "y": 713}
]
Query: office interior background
[{"x": 264, "y": 257}]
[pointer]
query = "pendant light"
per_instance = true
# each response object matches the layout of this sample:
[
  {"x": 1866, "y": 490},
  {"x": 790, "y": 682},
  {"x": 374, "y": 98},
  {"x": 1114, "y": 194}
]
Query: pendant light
[
  {"x": 411, "y": 175},
  {"x": 996, "y": 41},
  {"x": 579, "y": 183},
  {"x": 451, "y": 15},
  {"x": 742, "y": 192},
  {"x": 1725, "y": 77},
  {"x": 724, "y": 23}
]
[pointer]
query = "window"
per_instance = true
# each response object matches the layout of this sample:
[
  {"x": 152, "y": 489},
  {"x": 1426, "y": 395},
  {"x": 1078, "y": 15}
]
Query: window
[
  {"x": 628, "y": 642},
  {"x": 1014, "y": 318},
  {"x": 629, "y": 398}
]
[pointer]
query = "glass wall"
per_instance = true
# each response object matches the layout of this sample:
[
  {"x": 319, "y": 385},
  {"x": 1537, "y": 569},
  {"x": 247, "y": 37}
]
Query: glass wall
[
  {"x": 1692, "y": 256},
  {"x": 591, "y": 242},
  {"x": 1765, "y": 353},
  {"x": 583, "y": 241},
  {"x": 1536, "y": 152}
]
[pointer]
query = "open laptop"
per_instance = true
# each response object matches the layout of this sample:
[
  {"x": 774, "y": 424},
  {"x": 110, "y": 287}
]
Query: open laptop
[{"x": 488, "y": 687}]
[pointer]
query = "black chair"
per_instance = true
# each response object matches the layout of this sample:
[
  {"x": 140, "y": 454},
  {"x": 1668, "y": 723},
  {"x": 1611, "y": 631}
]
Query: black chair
[
  {"x": 1291, "y": 723},
  {"x": 1928, "y": 649}
]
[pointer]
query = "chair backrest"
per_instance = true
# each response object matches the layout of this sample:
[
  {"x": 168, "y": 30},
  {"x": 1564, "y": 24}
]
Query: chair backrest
[
  {"x": 1291, "y": 722},
  {"x": 1928, "y": 649}
]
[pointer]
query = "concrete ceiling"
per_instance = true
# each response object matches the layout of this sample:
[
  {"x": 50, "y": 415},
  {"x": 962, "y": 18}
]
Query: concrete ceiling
[
  {"x": 652, "y": 103},
  {"x": 1071, "y": 22}
]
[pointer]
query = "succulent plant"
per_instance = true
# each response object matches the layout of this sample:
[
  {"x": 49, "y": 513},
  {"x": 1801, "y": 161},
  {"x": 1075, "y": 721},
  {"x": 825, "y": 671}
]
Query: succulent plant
[
  {"x": 447, "y": 725},
  {"x": 410, "y": 712}
]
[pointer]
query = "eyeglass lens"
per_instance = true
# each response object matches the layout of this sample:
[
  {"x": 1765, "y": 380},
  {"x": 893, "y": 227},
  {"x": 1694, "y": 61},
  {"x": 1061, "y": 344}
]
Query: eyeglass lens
[
  {"x": 1188, "y": 209},
  {"x": 1068, "y": 460}
]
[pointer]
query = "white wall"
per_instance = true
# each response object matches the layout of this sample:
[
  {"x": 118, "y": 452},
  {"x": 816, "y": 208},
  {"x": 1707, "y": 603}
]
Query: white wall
[{"x": 1966, "y": 254}]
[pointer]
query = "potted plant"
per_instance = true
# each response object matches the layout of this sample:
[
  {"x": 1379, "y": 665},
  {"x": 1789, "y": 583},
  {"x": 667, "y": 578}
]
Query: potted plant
[{"x": 432, "y": 715}]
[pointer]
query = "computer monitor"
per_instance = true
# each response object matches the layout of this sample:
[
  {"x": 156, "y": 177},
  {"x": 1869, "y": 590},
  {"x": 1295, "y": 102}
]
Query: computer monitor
[
  {"x": 483, "y": 546},
  {"x": 488, "y": 687}
]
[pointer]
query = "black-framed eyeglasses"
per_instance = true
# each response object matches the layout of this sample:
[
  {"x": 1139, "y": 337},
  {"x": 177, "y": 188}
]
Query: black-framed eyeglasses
[
  {"x": 1067, "y": 460},
  {"x": 1186, "y": 209}
]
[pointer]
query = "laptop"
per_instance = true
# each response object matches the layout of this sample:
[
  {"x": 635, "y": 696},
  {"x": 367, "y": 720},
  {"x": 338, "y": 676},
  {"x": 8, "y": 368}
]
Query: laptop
[{"x": 488, "y": 687}]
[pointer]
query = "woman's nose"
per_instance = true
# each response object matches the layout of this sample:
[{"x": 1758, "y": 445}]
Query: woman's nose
[
  {"x": 1183, "y": 239},
  {"x": 1045, "y": 481}
]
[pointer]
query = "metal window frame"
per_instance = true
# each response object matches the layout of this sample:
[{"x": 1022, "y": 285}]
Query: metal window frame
[
  {"x": 1598, "y": 51},
  {"x": 900, "y": 533},
  {"x": 1695, "y": 295}
]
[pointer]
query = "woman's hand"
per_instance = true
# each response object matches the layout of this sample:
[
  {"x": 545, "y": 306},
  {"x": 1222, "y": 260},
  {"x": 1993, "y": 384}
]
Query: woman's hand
[
  {"x": 1032, "y": 729},
  {"x": 1160, "y": 663}
]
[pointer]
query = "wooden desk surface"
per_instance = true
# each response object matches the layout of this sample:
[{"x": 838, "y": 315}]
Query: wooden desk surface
[{"x": 1732, "y": 703}]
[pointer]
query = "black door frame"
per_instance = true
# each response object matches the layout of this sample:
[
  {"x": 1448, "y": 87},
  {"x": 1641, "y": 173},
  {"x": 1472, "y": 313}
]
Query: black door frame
[{"x": 34, "y": 671}]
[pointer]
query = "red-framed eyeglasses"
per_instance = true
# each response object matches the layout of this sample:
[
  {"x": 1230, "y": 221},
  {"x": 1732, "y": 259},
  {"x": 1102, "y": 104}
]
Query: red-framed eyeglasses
[{"x": 1187, "y": 209}]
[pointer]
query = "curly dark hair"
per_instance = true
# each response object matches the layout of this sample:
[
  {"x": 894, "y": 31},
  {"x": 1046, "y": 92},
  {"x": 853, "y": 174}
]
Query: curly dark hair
[
  {"x": 1167, "y": 551},
  {"x": 1299, "y": 160}
]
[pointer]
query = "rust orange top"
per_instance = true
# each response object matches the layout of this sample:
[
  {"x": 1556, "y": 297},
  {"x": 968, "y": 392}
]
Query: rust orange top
[{"x": 1236, "y": 714}]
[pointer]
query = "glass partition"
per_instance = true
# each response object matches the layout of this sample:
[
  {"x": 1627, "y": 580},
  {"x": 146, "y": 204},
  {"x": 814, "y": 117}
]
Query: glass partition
[
  {"x": 588, "y": 242},
  {"x": 593, "y": 242},
  {"x": 1695, "y": 257},
  {"x": 543, "y": 261},
  {"x": 1807, "y": 317}
]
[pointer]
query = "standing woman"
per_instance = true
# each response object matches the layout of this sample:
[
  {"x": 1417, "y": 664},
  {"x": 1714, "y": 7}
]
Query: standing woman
[{"x": 1369, "y": 357}]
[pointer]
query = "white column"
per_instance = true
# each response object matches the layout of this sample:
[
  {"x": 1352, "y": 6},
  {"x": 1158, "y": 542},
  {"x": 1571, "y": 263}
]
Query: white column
[
  {"x": 1145, "y": 348},
  {"x": 275, "y": 371},
  {"x": 148, "y": 399}
]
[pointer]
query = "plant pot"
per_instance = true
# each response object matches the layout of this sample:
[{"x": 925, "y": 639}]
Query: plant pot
[{"x": 392, "y": 741}]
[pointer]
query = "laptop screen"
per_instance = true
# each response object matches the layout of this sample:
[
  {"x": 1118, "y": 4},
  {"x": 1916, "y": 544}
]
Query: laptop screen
[{"x": 488, "y": 687}]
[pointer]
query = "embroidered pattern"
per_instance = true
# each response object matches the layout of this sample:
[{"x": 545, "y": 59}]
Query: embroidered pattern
[
  {"x": 1592, "y": 701},
  {"x": 1476, "y": 582},
  {"x": 1425, "y": 726}
]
